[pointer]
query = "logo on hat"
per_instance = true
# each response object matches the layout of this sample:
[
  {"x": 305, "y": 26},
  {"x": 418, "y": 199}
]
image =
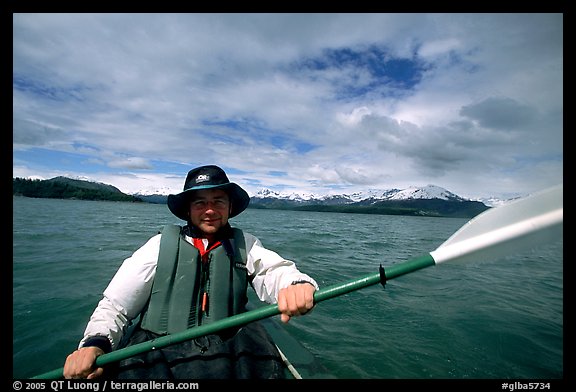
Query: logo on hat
[{"x": 202, "y": 178}]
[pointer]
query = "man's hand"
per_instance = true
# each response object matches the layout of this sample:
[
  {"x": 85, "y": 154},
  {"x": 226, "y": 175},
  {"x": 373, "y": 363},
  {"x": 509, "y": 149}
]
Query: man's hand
[
  {"x": 80, "y": 364},
  {"x": 295, "y": 300}
]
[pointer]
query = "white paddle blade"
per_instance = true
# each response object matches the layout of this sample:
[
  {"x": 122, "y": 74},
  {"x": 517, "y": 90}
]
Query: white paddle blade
[{"x": 508, "y": 229}]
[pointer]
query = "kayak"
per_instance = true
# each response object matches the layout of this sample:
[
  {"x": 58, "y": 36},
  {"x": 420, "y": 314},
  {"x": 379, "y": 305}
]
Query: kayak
[
  {"x": 300, "y": 362},
  {"x": 295, "y": 360}
]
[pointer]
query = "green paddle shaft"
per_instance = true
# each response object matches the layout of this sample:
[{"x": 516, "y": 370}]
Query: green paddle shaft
[{"x": 252, "y": 315}]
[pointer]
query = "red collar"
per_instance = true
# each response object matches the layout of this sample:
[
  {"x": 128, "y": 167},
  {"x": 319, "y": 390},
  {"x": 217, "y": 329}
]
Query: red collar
[{"x": 199, "y": 244}]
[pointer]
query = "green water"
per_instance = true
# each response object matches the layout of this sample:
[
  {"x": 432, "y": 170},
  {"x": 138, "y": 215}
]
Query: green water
[{"x": 499, "y": 319}]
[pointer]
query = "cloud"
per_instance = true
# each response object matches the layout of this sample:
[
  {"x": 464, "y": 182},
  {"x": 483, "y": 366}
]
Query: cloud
[
  {"x": 500, "y": 113},
  {"x": 133, "y": 163},
  {"x": 334, "y": 101},
  {"x": 32, "y": 133}
]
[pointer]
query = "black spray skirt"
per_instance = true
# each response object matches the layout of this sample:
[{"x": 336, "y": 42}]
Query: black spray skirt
[{"x": 245, "y": 353}]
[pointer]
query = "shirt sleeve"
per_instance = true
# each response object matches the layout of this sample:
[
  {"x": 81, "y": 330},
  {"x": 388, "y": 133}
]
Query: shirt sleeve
[
  {"x": 126, "y": 294},
  {"x": 269, "y": 271}
]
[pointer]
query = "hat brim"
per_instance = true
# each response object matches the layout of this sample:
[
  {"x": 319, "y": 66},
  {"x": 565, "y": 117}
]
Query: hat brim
[{"x": 179, "y": 204}]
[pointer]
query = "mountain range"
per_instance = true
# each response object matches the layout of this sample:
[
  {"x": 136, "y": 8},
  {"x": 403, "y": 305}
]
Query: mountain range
[{"x": 430, "y": 200}]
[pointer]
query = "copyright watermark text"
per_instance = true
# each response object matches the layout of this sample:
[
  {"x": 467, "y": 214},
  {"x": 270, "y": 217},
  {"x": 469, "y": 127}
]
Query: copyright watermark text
[{"x": 102, "y": 386}]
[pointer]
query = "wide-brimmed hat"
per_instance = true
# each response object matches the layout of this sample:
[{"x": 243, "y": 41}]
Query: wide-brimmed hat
[{"x": 207, "y": 177}]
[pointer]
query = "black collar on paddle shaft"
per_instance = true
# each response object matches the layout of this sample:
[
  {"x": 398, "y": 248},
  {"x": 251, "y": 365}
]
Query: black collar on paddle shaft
[{"x": 383, "y": 278}]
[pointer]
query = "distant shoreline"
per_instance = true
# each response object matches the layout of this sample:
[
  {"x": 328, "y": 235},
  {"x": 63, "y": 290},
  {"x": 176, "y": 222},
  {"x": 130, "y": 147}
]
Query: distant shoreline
[{"x": 403, "y": 211}]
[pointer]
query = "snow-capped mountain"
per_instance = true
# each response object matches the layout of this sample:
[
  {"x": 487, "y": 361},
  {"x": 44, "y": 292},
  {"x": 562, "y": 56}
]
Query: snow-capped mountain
[
  {"x": 265, "y": 193},
  {"x": 429, "y": 200},
  {"x": 426, "y": 192},
  {"x": 268, "y": 198},
  {"x": 150, "y": 191},
  {"x": 154, "y": 195},
  {"x": 372, "y": 195}
]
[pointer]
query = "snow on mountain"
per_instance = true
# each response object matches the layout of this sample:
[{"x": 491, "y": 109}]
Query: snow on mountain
[
  {"x": 372, "y": 195},
  {"x": 494, "y": 201},
  {"x": 265, "y": 193},
  {"x": 425, "y": 192},
  {"x": 151, "y": 191}
]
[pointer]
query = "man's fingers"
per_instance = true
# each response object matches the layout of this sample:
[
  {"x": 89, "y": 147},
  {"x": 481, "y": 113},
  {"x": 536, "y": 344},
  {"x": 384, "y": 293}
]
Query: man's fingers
[
  {"x": 295, "y": 300},
  {"x": 97, "y": 373},
  {"x": 80, "y": 363}
]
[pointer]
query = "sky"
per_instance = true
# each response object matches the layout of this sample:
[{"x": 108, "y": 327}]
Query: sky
[{"x": 322, "y": 103}]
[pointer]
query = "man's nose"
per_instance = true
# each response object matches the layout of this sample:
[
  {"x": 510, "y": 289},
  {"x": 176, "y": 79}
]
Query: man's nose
[{"x": 210, "y": 206}]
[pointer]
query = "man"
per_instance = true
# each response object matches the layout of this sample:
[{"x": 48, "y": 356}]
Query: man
[{"x": 189, "y": 276}]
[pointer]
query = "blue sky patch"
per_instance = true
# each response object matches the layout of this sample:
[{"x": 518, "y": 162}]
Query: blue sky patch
[
  {"x": 259, "y": 134},
  {"x": 383, "y": 70},
  {"x": 43, "y": 158},
  {"x": 49, "y": 92}
]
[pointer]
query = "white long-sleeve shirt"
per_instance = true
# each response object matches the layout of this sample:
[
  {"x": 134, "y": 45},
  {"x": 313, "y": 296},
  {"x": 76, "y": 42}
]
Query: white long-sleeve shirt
[{"x": 129, "y": 289}]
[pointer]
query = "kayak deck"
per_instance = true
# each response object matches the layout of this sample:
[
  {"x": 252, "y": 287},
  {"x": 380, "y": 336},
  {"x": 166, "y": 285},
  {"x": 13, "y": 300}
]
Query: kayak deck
[{"x": 300, "y": 362}]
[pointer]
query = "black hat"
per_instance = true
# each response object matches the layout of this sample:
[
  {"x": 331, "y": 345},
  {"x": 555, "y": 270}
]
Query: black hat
[{"x": 207, "y": 177}]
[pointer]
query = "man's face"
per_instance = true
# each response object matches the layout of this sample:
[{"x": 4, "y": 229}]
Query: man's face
[{"x": 209, "y": 210}]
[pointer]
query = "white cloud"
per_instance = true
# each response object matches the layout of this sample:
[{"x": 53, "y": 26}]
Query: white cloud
[{"x": 317, "y": 96}]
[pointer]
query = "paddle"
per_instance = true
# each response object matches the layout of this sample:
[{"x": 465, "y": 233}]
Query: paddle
[{"x": 507, "y": 229}]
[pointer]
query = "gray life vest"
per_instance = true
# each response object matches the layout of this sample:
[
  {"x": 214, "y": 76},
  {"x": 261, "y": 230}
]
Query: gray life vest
[{"x": 182, "y": 279}]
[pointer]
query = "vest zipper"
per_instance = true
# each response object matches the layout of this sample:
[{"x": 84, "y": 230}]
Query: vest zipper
[
  {"x": 204, "y": 299},
  {"x": 205, "y": 295},
  {"x": 205, "y": 258}
]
